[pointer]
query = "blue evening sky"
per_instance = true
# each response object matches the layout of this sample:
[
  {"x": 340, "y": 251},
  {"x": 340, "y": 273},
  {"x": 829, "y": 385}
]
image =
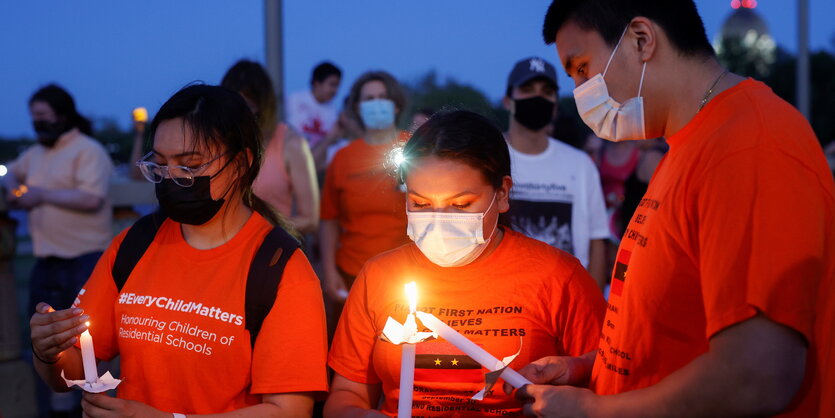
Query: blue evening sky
[{"x": 116, "y": 55}]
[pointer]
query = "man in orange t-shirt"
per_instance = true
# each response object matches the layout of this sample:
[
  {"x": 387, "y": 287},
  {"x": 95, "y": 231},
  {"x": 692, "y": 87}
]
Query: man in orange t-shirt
[
  {"x": 720, "y": 294},
  {"x": 524, "y": 296}
]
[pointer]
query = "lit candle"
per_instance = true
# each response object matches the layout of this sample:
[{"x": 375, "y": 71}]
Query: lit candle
[
  {"x": 407, "y": 359},
  {"x": 471, "y": 349},
  {"x": 88, "y": 357}
]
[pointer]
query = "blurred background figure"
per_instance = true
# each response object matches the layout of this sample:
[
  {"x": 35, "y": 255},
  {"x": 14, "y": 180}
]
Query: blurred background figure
[
  {"x": 312, "y": 112},
  {"x": 829, "y": 151},
  {"x": 363, "y": 205},
  {"x": 420, "y": 117},
  {"x": 556, "y": 196},
  {"x": 287, "y": 180},
  {"x": 62, "y": 182},
  {"x": 348, "y": 128},
  {"x": 616, "y": 161}
]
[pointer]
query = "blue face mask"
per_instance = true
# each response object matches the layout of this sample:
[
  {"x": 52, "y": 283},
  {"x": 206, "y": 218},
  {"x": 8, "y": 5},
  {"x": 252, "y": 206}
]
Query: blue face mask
[{"x": 377, "y": 114}]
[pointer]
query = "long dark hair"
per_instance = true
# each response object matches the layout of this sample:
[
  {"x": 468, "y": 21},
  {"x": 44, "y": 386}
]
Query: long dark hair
[
  {"x": 219, "y": 120},
  {"x": 251, "y": 80},
  {"x": 462, "y": 136},
  {"x": 64, "y": 107}
]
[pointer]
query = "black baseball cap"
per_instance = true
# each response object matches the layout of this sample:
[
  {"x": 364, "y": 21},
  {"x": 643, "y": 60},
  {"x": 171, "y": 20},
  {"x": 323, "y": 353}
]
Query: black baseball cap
[{"x": 530, "y": 68}]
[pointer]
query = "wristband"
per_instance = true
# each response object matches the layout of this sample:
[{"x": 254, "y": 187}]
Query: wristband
[
  {"x": 35, "y": 353},
  {"x": 176, "y": 415}
]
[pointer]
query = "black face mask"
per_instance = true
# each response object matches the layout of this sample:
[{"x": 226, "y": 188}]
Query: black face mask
[
  {"x": 49, "y": 132},
  {"x": 534, "y": 113},
  {"x": 188, "y": 205}
]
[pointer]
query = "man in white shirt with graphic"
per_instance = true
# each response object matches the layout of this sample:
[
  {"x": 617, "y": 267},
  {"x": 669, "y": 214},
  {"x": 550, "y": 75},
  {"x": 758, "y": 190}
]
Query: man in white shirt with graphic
[
  {"x": 556, "y": 195},
  {"x": 312, "y": 112}
]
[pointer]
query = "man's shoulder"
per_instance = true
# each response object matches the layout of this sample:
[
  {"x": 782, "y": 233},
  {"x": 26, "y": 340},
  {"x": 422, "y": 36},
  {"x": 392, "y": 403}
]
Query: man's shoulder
[{"x": 85, "y": 143}]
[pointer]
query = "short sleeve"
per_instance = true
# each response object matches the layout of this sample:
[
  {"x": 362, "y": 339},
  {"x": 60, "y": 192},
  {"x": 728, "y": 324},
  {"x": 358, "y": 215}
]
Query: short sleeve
[
  {"x": 330, "y": 191},
  {"x": 98, "y": 299},
  {"x": 93, "y": 171},
  {"x": 291, "y": 348},
  {"x": 353, "y": 343},
  {"x": 598, "y": 221},
  {"x": 761, "y": 239},
  {"x": 20, "y": 166},
  {"x": 294, "y": 114},
  {"x": 580, "y": 315}
]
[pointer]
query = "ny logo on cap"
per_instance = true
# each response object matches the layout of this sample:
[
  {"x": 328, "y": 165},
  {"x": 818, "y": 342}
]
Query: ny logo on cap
[{"x": 537, "y": 65}]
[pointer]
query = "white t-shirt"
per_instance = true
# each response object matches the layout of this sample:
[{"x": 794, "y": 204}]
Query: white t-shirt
[
  {"x": 557, "y": 198},
  {"x": 313, "y": 119}
]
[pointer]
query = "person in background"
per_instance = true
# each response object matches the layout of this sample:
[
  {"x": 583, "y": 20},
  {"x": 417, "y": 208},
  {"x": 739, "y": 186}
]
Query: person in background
[
  {"x": 62, "y": 183},
  {"x": 465, "y": 261},
  {"x": 348, "y": 128},
  {"x": 312, "y": 112},
  {"x": 206, "y": 153},
  {"x": 362, "y": 203},
  {"x": 420, "y": 117},
  {"x": 721, "y": 301},
  {"x": 287, "y": 179},
  {"x": 650, "y": 153},
  {"x": 557, "y": 197}
]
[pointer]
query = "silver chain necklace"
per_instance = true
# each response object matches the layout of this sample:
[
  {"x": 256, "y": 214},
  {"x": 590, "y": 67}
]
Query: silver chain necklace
[{"x": 710, "y": 90}]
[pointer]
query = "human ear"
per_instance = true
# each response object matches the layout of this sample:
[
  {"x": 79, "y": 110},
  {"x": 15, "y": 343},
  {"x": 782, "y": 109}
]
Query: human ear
[
  {"x": 644, "y": 33},
  {"x": 507, "y": 102},
  {"x": 503, "y": 194}
]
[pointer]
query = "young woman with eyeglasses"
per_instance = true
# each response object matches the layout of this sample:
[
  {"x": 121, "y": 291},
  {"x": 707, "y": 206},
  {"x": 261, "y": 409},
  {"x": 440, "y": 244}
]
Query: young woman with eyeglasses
[{"x": 178, "y": 322}]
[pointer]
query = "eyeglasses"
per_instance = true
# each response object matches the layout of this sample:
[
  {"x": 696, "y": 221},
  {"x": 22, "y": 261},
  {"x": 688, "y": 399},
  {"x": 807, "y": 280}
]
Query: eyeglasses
[{"x": 181, "y": 175}]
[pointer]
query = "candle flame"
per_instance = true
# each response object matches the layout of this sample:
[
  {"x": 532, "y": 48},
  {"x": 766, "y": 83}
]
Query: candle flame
[
  {"x": 411, "y": 294},
  {"x": 87, "y": 324}
]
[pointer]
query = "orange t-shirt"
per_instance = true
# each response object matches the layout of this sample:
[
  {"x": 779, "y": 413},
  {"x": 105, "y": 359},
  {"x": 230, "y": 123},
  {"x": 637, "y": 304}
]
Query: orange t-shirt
[
  {"x": 739, "y": 218},
  {"x": 526, "y": 293},
  {"x": 178, "y": 325},
  {"x": 363, "y": 195}
]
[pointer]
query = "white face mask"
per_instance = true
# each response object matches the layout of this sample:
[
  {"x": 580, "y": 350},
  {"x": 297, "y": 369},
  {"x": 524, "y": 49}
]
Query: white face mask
[
  {"x": 449, "y": 239},
  {"x": 604, "y": 115}
]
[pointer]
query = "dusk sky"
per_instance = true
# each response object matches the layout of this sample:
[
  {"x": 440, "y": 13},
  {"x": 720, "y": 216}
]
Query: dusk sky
[{"x": 113, "y": 55}]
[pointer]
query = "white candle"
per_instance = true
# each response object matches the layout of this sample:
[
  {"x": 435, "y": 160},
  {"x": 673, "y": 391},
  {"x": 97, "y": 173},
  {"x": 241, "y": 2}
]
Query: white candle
[
  {"x": 88, "y": 357},
  {"x": 407, "y": 357},
  {"x": 471, "y": 349}
]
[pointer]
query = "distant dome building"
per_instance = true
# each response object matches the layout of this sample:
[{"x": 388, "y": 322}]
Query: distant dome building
[{"x": 744, "y": 44}]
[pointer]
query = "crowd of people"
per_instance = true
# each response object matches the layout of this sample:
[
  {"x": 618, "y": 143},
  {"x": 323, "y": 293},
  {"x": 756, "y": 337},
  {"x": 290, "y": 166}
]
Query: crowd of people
[{"x": 280, "y": 250}]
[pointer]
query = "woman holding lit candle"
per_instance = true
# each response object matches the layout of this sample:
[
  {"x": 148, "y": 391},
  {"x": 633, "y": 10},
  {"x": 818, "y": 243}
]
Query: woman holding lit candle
[
  {"x": 178, "y": 322},
  {"x": 499, "y": 289}
]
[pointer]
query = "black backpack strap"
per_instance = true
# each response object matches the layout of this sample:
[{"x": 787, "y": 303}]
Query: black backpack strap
[
  {"x": 265, "y": 273},
  {"x": 137, "y": 240}
]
